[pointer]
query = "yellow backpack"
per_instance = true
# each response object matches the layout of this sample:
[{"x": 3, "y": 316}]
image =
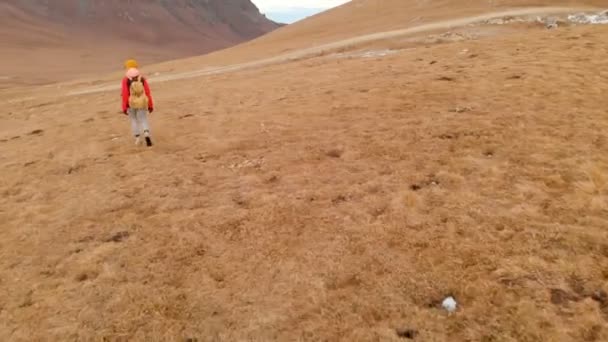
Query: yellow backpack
[{"x": 137, "y": 94}]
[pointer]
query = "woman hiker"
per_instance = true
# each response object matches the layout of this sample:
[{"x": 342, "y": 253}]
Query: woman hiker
[{"x": 137, "y": 101}]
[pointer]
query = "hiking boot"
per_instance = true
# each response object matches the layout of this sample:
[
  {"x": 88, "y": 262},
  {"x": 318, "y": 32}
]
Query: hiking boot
[{"x": 148, "y": 140}]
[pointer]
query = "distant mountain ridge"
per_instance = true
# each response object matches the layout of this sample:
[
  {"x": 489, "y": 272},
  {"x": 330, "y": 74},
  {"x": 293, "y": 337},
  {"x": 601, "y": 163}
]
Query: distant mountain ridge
[
  {"x": 155, "y": 29},
  {"x": 231, "y": 21}
]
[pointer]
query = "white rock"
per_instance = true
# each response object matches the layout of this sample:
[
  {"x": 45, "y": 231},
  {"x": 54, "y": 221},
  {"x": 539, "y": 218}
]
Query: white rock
[{"x": 449, "y": 304}]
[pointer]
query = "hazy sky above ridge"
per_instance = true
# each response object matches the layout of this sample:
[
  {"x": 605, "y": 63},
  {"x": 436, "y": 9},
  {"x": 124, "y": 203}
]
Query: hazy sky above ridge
[{"x": 289, "y": 11}]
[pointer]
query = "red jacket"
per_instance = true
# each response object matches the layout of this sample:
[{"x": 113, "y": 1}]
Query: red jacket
[{"x": 125, "y": 94}]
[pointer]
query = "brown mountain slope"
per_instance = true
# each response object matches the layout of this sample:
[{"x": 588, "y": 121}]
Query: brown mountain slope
[{"x": 62, "y": 39}]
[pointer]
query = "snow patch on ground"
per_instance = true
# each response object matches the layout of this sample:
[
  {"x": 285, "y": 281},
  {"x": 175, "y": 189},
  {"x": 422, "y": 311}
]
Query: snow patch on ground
[
  {"x": 377, "y": 53},
  {"x": 553, "y": 22},
  {"x": 504, "y": 21},
  {"x": 589, "y": 19},
  {"x": 366, "y": 54}
]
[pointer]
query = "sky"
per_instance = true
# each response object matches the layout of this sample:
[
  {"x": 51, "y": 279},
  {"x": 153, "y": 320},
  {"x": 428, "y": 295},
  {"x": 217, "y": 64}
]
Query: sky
[{"x": 289, "y": 11}]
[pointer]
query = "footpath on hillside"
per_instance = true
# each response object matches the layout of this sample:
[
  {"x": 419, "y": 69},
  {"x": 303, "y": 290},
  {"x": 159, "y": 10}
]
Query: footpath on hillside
[{"x": 314, "y": 51}]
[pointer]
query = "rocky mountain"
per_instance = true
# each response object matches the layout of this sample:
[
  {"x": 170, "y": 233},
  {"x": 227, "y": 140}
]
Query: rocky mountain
[{"x": 100, "y": 29}]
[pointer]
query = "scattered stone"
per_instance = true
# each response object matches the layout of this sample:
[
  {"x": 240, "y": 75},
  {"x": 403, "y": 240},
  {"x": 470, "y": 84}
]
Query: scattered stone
[
  {"x": 449, "y": 304},
  {"x": 503, "y": 21},
  {"x": 433, "y": 62},
  {"x": 551, "y": 23},
  {"x": 407, "y": 333},
  {"x": 446, "y": 78},
  {"x": 447, "y": 136},
  {"x": 459, "y": 109},
  {"x": 27, "y": 300},
  {"x": 415, "y": 187},
  {"x": 561, "y": 297},
  {"x": 600, "y": 296},
  {"x": 593, "y": 333},
  {"x": 200, "y": 251},
  {"x": 118, "y": 237},
  {"x": 186, "y": 116},
  {"x": 273, "y": 179},
  {"x": 335, "y": 153},
  {"x": 36, "y": 132},
  {"x": 47, "y": 272},
  {"x": 252, "y": 163},
  {"x": 240, "y": 200},
  {"x": 339, "y": 199},
  {"x": 82, "y": 277},
  {"x": 75, "y": 168},
  {"x": 448, "y": 37},
  {"x": 577, "y": 284},
  {"x": 87, "y": 238}
]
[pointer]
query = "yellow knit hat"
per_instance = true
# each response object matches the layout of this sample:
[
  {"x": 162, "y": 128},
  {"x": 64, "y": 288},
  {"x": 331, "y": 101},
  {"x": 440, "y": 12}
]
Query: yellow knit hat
[{"x": 131, "y": 63}]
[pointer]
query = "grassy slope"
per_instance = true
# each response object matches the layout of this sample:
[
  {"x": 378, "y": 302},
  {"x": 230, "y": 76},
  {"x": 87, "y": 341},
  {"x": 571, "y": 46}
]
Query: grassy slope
[{"x": 339, "y": 200}]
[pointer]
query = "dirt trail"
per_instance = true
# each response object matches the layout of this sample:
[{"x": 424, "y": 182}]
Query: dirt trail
[{"x": 308, "y": 52}]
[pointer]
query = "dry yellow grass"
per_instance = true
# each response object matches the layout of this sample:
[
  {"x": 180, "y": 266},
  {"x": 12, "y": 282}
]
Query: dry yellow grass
[{"x": 326, "y": 199}]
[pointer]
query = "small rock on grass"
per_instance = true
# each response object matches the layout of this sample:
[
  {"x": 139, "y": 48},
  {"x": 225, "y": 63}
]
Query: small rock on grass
[
  {"x": 449, "y": 304},
  {"x": 406, "y": 333}
]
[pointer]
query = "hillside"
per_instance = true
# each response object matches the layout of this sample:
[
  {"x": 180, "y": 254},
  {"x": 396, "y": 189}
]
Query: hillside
[
  {"x": 362, "y": 17},
  {"x": 337, "y": 196},
  {"x": 68, "y": 38}
]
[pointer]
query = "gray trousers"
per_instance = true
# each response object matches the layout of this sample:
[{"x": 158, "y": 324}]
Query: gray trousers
[{"x": 139, "y": 119}]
